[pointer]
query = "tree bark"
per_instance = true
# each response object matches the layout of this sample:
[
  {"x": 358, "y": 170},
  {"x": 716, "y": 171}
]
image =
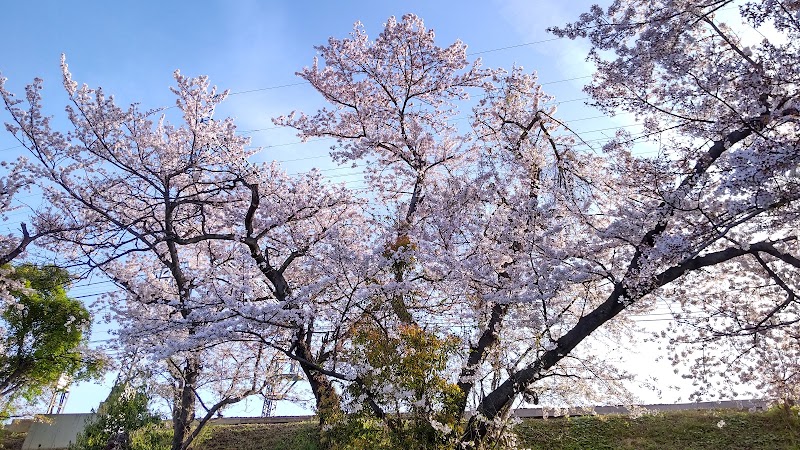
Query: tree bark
[
  {"x": 328, "y": 401},
  {"x": 477, "y": 353},
  {"x": 182, "y": 420}
]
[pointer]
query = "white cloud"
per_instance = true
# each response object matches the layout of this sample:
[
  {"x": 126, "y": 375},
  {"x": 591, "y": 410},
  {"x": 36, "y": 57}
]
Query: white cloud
[{"x": 530, "y": 20}]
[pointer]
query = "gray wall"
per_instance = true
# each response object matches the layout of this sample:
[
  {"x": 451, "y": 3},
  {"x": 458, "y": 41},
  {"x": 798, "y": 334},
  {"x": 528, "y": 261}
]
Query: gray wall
[{"x": 54, "y": 431}]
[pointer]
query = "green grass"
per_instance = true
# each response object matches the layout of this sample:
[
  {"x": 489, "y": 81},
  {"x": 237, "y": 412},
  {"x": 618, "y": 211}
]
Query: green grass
[
  {"x": 287, "y": 436},
  {"x": 772, "y": 430},
  {"x": 11, "y": 441},
  {"x": 776, "y": 429}
]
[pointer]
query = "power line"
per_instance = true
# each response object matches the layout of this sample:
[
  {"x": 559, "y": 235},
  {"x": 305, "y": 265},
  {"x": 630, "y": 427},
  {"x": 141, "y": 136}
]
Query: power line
[
  {"x": 525, "y": 44},
  {"x": 514, "y": 46},
  {"x": 269, "y": 88},
  {"x": 306, "y": 141},
  {"x": 567, "y": 121}
]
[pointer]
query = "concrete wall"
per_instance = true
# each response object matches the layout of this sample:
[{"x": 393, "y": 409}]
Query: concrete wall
[{"x": 54, "y": 431}]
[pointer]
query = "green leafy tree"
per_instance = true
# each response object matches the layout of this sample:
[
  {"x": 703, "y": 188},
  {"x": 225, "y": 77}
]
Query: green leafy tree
[
  {"x": 125, "y": 410},
  {"x": 404, "y": 400},
  {"x": 43, "y": 335}
]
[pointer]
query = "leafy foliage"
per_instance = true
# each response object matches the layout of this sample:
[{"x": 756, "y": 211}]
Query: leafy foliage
[
  {"x": 424, "y": 415},
  {"x": 125, "y": 410},
  {"x": 44, "y": 334}
]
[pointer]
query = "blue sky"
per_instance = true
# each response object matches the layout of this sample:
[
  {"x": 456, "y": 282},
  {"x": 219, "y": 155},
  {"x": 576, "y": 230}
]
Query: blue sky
[
  {"x": 132, "y": 48},
  {"x": 255, "y": 47}
]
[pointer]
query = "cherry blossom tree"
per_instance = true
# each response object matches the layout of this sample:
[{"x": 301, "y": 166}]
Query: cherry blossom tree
[
  {"x": 137, "y": 187},
  {"x": 184, "y": 225},
  {"x": 533, "y": 243},
  {"x": 727, "y": 93},
  {"x": 18, "y": 178},
  {"x": 11, "y": 245},
  {"x": 10, "y": 184},
  {"x": 470, "y": 220},
  {"x": 502, "y": 237}
]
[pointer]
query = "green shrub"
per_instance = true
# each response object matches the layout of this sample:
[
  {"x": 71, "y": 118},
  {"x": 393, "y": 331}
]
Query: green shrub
[
  {"x": 153, "y": 436},
  {"x": 409, "y": 381},
  {"x": 125, "y": 411}
]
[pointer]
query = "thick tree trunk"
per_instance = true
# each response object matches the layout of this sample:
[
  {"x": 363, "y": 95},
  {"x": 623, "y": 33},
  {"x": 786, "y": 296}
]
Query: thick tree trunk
[
  {"x": 501, "y": 399},
  {"x": 185, "y": 409},
  {"x": 328, "y": 401},
  {"x": 9, "y": 383},
  {"x": 477, "y": 353}
]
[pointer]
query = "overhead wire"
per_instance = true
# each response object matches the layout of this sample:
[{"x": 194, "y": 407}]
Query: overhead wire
[
  {"x": 302, "y": 142},
  {"x": 288, "y": 144}
]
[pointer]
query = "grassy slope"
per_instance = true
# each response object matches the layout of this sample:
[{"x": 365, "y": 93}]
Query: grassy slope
[
  {"x": 289, "y": 436},
  {"x": 668, "y": 431},
  {"x": 678, "y": 431},
  {"x": 11, "y": 441}
]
